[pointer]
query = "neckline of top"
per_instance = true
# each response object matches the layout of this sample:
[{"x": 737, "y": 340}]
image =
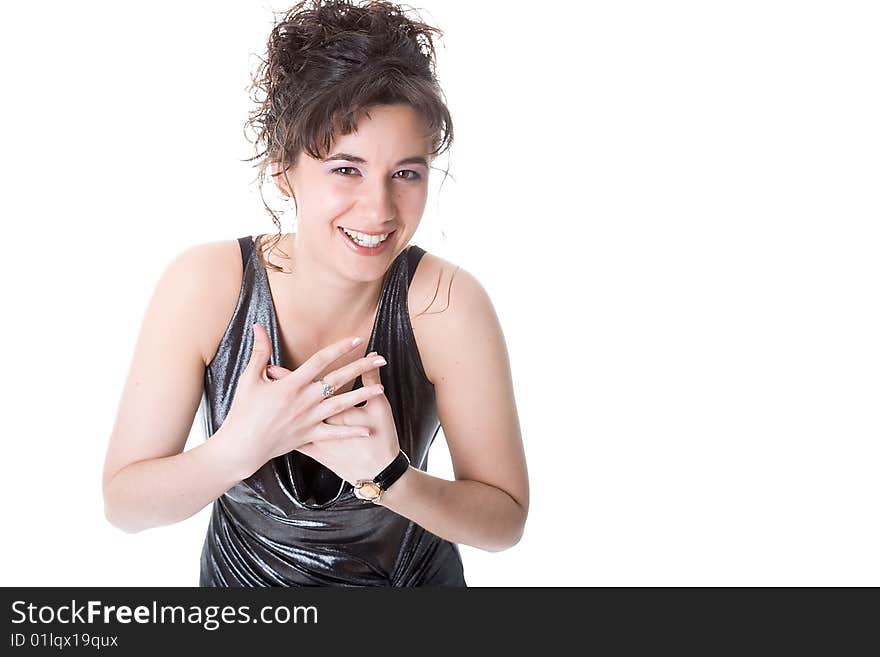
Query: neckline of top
[
  {"x": 276, "y": 354},
  {"x": 273, "y": 314}
]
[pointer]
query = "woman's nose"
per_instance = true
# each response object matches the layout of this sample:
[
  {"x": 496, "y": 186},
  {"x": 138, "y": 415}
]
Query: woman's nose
[{"x": 377, "y": 203}]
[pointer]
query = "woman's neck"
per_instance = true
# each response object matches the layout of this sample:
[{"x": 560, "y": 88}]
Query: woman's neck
[{"x": 324, "y": 303}]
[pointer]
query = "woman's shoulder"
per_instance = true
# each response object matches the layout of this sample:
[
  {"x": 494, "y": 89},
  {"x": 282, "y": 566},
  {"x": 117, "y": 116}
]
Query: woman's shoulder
[
  {"x": 439, "y": 284},
  {"x": 429, "y": 287},
  {"x": 443, "y": 297},
  {"x": 216, "y": 269}
]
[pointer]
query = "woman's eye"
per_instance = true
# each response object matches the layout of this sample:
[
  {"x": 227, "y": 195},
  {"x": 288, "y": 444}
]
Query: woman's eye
[
  {"x": 345, "y": 175},
  {"x": 414, "y": 176}
]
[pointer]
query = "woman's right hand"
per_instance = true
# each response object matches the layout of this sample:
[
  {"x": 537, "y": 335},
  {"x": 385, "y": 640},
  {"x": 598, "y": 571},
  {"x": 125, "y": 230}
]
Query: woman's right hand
[{"x": 268, "y": 418}]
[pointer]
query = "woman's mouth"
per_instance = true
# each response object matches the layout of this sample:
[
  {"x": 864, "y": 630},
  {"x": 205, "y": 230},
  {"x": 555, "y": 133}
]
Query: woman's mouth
[{"x": 364, "y": 244}]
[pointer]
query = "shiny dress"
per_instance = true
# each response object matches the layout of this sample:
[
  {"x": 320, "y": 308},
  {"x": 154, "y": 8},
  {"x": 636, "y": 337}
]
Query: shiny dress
[{"x": 294, "y": 522}]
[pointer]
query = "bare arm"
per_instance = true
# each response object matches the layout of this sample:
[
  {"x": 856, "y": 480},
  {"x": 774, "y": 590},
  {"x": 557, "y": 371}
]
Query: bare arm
[
  {"x": 148, "y": 480},
  {"x": 162, "y": 491},
  {"x": 462, "y": 511},
  {"x": 487, "y": 504}
]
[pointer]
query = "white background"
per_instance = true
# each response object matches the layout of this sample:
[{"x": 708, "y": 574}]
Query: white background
[{"x": 674, "y": 207}]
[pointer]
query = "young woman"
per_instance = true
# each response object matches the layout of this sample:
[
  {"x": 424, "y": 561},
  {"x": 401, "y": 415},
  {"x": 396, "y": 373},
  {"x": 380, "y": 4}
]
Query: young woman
[{"x": 317, "y": 444}]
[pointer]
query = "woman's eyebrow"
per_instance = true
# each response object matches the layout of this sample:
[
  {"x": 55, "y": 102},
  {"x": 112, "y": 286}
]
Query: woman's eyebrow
[{"x": 416, "y": 159}]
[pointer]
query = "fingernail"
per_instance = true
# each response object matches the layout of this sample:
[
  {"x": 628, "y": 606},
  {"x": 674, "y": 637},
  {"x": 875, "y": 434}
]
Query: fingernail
[
  {"x": 379, "y": 361},
  {"x": 356, "y": 341}
]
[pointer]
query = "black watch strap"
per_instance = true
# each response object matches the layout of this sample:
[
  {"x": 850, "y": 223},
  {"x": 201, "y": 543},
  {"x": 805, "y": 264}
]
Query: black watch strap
[{"x": 393, "y": 472}]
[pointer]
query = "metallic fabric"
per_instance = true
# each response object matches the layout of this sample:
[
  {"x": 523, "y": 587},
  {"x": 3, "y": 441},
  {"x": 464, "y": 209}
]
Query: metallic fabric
[{"x": 294, "y": 522}]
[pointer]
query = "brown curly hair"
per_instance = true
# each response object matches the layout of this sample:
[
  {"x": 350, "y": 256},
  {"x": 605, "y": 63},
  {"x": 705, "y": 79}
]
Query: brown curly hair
[{"x": 327, "y": 63}]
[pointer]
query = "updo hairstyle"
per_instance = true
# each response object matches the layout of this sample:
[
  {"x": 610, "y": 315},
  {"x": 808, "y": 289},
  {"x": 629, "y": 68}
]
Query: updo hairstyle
[{"x": 327, "y": 63}]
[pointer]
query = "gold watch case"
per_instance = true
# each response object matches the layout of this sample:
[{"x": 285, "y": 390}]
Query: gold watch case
[{"x": 367, "y": 490}]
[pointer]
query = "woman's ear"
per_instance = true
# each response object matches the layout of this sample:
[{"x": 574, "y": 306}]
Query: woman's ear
[{"x": 282, "y": 180}]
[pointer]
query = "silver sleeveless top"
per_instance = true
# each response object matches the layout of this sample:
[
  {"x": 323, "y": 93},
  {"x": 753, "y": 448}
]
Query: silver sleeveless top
[{"x": 294, "y": 522}]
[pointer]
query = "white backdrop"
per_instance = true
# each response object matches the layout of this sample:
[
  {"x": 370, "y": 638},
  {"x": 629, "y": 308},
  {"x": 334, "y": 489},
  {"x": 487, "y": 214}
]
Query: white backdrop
[{"x": 674, "y": 207}]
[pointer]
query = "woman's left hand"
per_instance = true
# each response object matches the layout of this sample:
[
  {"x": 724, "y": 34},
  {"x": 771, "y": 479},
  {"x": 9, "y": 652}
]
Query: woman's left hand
[{"x": 355, "y": 458}]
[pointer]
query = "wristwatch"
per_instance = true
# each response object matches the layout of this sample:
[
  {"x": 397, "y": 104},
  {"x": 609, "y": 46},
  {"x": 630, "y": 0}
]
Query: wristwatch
[{"x": 370, "y": 490}]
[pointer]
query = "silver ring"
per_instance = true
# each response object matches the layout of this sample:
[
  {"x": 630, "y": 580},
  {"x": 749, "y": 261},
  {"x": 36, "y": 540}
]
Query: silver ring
[{"x": 326, "y": 389}]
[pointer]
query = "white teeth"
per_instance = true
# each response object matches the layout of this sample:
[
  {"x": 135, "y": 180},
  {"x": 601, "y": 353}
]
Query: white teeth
[{"x": 364, "y": 239}]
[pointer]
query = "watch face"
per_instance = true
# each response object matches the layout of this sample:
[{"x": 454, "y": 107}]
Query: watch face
[{"x": 367, "y": 490}]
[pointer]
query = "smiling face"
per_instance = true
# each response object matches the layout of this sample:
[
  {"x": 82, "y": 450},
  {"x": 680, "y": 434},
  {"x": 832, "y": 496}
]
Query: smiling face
[{"x": 373, "y": 183}]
